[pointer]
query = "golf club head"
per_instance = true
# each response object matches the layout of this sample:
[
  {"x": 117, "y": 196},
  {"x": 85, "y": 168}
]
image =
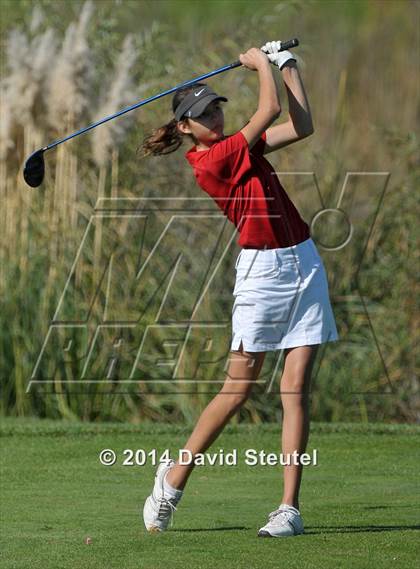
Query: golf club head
[{"x": 34, "y": 169}]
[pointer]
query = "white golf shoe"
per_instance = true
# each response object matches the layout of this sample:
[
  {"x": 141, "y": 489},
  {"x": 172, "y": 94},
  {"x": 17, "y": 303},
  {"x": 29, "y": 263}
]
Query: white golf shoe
[
  {"x": 283, "y": 522},
  {"x": 160, "y": 505}
]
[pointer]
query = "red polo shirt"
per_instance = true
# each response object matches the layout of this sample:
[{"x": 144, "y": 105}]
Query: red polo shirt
[{"x": 245, "y": 187}]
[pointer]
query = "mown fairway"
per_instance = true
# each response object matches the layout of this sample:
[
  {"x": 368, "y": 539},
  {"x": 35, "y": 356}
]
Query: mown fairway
[{"x": 359, "y": 504}]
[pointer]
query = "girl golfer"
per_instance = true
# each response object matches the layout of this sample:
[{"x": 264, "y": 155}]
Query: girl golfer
[{"x": 281, "y": 289}]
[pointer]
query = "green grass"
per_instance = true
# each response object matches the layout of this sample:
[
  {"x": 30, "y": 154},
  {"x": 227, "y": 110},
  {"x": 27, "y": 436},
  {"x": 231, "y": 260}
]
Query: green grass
[{"x": 358, "y": 504}]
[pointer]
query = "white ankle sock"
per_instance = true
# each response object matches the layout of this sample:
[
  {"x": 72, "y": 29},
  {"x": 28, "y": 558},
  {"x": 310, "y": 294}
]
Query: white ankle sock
[
  {"x": 173, "y": 492},
  {"x": 289, "y": 506}
]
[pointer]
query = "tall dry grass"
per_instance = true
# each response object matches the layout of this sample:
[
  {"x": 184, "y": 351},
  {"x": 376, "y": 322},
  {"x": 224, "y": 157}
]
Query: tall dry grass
[{"x": 363, "y": 93}]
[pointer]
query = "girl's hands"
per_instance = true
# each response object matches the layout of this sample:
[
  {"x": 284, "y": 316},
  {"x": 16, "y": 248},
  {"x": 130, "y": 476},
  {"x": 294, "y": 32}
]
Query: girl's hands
[
  {"x": 279, "y": 58},
  {"x": 254, "y": 59}
]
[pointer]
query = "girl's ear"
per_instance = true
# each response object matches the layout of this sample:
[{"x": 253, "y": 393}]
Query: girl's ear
[{"x": 183, "y": 127}]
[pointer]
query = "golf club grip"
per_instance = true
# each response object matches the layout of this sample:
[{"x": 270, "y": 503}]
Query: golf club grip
[
  {"x": 284, "y": 45},
  {"x": 289, "y": 44}
]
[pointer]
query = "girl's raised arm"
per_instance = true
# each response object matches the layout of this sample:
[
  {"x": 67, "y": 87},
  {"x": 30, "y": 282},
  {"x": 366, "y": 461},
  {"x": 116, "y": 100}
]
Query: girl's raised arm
[
  {"x": 268, "y": 104},
  {"x": 299, "y": 124}
]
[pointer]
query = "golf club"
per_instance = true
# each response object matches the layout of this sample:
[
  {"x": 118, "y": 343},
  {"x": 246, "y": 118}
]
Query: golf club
[{"x": 34, "y": 169}]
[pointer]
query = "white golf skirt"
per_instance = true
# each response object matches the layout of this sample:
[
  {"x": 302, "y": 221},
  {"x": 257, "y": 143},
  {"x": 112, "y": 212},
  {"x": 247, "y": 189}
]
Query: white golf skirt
[{"x": 281, "y": 299}]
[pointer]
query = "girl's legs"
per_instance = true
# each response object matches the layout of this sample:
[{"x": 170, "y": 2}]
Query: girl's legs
[
  {"x": 244, "y": 369},
  {"x": 294, "y": 390}
]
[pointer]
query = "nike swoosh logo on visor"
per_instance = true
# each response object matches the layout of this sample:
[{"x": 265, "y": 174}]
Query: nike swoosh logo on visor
[{"x": 199, "y": 92}]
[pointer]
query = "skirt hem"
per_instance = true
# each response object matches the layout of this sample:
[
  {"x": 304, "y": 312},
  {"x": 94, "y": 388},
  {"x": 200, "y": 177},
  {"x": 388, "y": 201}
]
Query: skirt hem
[{"x": 307, "y": 341}]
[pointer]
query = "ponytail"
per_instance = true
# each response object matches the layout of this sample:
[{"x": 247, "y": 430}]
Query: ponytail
[{"x": 163, "y": 140}]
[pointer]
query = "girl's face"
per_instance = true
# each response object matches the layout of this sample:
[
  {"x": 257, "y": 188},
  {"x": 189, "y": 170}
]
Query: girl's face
[{"x": 208, "y": 127}]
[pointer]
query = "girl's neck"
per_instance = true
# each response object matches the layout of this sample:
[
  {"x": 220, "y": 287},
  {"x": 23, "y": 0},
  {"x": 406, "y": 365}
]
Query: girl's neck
[{"x": 203, "y": 147}]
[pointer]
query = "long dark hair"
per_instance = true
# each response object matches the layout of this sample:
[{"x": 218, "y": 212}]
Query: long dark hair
[{"x": 168, "y": 138}]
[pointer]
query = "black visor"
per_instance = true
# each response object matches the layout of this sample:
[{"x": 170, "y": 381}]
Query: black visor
[{"x": 195, "y": 103}]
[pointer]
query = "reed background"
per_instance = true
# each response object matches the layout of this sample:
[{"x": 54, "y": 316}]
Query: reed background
[{"x": 67, "y": 64}]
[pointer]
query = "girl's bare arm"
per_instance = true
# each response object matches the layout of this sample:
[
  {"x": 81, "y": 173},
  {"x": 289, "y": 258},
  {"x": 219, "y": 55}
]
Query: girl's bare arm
[
  {"x": 299, "y": 124},
  {"x": 268, "y": 104}
]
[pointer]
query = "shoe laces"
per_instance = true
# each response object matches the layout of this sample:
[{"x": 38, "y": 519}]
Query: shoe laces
[{"x": 166, "y": 508}]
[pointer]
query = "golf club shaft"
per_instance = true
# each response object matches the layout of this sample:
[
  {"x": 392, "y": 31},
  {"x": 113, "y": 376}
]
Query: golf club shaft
[{"x": 285, "y": 45}]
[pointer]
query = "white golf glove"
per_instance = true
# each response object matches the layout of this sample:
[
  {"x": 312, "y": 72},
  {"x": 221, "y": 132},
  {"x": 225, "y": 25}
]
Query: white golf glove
[{"x": 272, "y": 50}]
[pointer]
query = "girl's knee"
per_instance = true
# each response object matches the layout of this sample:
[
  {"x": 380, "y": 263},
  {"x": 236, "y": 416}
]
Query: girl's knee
[
  {"x": 294, "y": 386},
  {"x": 234, "y": 399},
  {"x": 294, "y": 393}
]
